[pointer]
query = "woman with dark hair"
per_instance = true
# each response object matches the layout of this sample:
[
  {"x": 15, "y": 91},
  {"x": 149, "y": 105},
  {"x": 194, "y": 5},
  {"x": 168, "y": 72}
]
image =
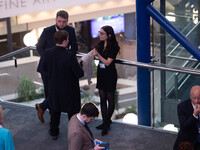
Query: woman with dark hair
[{"x": 107, "y": 50}]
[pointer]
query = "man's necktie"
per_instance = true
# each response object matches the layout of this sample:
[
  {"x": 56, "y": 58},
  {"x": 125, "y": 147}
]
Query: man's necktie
[{"x": 86, "y": 126}]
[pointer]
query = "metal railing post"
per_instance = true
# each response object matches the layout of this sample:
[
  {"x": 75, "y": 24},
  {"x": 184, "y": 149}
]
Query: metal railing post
[{"x": 143, "y": 55}]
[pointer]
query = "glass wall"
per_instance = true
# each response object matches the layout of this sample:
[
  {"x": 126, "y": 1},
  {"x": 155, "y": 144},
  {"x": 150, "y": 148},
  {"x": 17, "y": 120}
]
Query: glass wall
[{"x": 172, "y": 88}]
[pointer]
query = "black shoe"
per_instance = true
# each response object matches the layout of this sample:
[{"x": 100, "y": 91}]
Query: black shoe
[
  {"x": 54, "y": 137},
  {"x": 106, "y": 127},
  {"x": 104, "y": 132},
  {"x": 100, "y": 126}
]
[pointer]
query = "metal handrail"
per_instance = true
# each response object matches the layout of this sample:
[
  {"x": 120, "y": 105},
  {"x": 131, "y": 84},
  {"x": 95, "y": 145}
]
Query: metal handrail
[
  {"x": 150, "y": 66},
  {"x": 159, "y": 67},
  {"x": 183, "y": 58},
  {"x": 17, "y": 52}
]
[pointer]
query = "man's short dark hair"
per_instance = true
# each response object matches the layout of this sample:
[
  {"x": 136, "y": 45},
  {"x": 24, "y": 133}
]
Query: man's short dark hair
[
  {"x": 89, "y": 109},
  {"x": 60, "y": 36},
  {"x": 62, "y": 14}
]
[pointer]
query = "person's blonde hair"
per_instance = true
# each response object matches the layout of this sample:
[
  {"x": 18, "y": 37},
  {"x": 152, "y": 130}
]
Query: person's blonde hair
[{"x": 1, "y": 112}]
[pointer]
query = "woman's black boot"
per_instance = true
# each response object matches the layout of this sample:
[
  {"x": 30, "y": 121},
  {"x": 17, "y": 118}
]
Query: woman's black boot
[
  {"x": 100, "y": 126},
  {"x": 106, "y": 127}
]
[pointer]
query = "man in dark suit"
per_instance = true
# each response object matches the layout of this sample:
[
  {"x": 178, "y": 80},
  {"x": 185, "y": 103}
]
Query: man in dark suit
[
  {"x": 79, "y": 135},
  {"x": 63, "y": 72},
  {"x": 188, "y": 114},
  {"x": 47, "y": 41}
]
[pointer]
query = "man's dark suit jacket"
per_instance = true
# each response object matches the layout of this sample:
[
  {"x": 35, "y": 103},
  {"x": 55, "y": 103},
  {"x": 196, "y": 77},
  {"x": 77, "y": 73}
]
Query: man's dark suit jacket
[
  {"x": 78, "y": 136},
  {"x": 63, "y": 73},
  {"x": 46, "y": 41},
  {"x": 188, "y": 124}
]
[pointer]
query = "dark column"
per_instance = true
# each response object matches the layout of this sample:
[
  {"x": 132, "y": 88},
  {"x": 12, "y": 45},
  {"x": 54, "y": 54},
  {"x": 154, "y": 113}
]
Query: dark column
[
  {"x": 143, "y": 55},
  {"x": 163, "y": 53},
  {"x": 9, "y": 35}
]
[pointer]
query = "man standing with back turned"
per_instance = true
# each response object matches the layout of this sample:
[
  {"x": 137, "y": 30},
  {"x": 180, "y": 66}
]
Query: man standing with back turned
[
  {"x": 188, "y": 115},
  {"x": 47, "y": 41},
  {"x": 63, "y": 73}
]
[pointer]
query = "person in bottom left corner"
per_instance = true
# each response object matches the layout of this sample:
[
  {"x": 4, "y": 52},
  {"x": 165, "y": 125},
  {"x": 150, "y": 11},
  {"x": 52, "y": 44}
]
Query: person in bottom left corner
[{"x": 6, "y": 141}]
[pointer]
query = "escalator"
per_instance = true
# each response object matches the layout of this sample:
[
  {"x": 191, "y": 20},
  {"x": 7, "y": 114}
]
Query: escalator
[{"x": 177, "y": 85}]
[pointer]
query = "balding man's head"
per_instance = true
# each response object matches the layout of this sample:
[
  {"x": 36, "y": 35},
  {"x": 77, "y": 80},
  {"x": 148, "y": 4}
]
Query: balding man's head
[{"x": 195, "y": 94}]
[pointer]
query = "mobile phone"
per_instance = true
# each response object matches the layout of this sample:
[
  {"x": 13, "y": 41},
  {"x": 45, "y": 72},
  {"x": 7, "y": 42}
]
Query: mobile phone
[{"x": 104, "y": 144}]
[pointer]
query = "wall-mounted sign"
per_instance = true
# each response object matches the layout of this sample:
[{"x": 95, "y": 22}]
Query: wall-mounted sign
[{"x": 18, "y": 7}]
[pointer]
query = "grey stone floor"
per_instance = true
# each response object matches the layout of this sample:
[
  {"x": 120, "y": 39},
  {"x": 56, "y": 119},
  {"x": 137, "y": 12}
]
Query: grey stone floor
[{"x": 29, "y": 134}]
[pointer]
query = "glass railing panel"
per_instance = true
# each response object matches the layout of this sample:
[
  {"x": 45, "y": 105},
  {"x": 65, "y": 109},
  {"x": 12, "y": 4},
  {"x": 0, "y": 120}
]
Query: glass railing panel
[
  {"x": 180, "y": 78},
  {"x": 16, "y": 69},
  {"x": 125, "y": 95},
  {"x": 165, "y": 107},
  {"x": 12, "y": 76}
]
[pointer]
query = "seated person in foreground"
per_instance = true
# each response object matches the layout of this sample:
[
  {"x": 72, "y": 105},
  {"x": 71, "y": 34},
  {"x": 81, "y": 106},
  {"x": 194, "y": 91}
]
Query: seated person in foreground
[
  {"x": 79, "y": 135},
  {"x": 6, "y": 141},
  {"x": 188, "y": 115}
]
